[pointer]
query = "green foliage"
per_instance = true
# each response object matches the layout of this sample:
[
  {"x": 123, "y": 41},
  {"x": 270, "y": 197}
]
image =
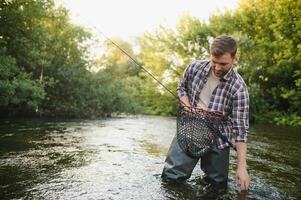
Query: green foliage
[
  {"x": 44, "y": 61},
  {"x": 287, "y": 119},
  {"x": 17, "y": 88},
  {"x": 269, "y": 54},
  {"x": 269, "y": 39},
  {"x": 166, "y": 54},
  {"x": 276, "y": 59}
]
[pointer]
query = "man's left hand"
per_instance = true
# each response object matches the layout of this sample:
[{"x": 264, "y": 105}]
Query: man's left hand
[{"x": 242, "y": 178}]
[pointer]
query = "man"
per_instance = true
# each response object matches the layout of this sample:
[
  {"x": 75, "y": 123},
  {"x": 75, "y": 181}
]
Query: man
[{"x": 216, "y": 86}]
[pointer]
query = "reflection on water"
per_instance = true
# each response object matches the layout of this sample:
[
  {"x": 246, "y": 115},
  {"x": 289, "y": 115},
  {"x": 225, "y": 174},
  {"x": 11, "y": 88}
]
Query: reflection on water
[
  {"x": 122, "y": 158},
  {"x": 154, "y": 149}
]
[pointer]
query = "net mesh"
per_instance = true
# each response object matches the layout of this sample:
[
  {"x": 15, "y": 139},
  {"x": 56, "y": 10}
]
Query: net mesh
[{"x": 197, "y": 130}]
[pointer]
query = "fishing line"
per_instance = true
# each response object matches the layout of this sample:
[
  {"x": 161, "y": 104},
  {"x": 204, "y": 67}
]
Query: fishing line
[
  {"x": 188, "y": 116},
  {"x": 139, "y": 65},
  {"x": 127, "y": 54}
]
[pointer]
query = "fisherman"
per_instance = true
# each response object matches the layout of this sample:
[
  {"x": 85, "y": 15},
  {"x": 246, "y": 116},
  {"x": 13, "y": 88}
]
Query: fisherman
[{"x": 214, "y": 85}]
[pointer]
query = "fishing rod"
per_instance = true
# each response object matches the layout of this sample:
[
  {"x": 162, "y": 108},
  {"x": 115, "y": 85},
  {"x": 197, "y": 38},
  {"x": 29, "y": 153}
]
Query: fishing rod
[
  {"x": 183, "y": 108},
  {"x": 129, "y": 56},
  {"x": 139, "y": 65}
]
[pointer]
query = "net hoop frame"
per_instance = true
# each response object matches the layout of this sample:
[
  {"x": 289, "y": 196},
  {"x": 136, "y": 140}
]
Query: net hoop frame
[{"x": 198, "y": 130}]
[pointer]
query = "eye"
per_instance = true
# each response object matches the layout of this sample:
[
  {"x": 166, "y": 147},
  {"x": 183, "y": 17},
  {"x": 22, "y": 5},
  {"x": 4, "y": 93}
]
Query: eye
[{"x": 222, "y": 64}]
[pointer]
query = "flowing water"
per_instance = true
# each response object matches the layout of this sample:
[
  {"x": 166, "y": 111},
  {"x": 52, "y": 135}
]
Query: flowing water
[{"x": 122, "y": 158}]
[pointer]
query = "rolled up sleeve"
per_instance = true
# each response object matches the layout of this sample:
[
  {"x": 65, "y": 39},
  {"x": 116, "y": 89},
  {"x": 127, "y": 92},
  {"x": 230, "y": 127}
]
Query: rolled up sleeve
[
  {"x": 240, "y": 114},
  {"x": 183, "y": 84}
]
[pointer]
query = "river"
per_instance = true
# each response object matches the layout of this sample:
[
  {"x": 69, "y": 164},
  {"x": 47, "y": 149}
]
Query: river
[{"x": 122, "y": 158}]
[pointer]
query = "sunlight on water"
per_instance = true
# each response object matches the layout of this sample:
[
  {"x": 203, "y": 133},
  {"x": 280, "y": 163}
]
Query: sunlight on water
[{"x": 122, "y": 158}]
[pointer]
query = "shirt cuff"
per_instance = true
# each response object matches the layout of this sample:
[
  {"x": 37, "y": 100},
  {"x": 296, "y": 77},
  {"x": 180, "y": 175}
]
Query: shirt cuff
[
  {"x": 181, "y": 93},
  {"x": 241, "y": 138}
]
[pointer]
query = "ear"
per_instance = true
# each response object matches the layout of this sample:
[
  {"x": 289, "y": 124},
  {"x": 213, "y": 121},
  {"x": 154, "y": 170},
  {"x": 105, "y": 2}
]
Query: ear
[{"x": 234, "y": 59}]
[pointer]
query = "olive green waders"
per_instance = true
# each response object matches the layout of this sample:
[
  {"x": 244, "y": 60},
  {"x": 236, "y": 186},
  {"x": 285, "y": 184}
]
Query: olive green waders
[{"x": 178, "y": 166}]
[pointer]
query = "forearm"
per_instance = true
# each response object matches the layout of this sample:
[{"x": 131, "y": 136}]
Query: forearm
[
  {"x": 185, "y": 101},
  {"x": 241, "y": 154},
  {"x": 242, "y": 177}
]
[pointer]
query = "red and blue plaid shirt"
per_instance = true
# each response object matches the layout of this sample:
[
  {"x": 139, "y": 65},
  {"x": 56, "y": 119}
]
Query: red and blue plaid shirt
[{"x": 230, "y": 98}]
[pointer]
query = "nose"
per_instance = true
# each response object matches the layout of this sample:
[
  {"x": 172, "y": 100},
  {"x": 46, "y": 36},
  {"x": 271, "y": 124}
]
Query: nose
[{"x": 218, "y": 66}]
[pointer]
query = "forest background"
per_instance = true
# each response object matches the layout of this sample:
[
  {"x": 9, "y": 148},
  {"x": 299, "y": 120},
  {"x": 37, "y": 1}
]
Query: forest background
[{"x": 46, "y": 69}]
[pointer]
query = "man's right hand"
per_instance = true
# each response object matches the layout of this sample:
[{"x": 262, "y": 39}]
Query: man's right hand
[{"x": 185, "y": 101}]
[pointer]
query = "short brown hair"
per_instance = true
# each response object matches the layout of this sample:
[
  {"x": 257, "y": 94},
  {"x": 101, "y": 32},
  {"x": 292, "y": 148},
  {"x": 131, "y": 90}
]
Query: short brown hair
[{"x": 223, "y": 44}]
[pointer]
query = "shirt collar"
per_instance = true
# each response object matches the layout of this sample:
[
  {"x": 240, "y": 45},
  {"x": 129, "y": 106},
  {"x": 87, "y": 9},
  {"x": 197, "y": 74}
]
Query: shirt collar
[
  {"x": 229, "y": 74},
  {"x": 207, "y": 68}
]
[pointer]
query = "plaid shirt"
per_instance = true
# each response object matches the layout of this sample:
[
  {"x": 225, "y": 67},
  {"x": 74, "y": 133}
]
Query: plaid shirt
[{"x": 230, "y": 98}]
